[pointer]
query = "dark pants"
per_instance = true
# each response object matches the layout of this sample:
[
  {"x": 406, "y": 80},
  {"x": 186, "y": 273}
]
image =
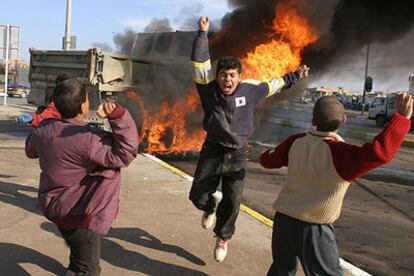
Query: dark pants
[
  {"x": 219, "y": 164},
  {"x": 313, "y": 244},
  {"x": 85, "y": 251}
]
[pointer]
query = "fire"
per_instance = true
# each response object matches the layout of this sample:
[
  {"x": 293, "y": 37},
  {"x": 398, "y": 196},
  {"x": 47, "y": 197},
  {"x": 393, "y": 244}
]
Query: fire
[
  {"x": 282, "y": 54},
  {"x": 165, "y": 131}
]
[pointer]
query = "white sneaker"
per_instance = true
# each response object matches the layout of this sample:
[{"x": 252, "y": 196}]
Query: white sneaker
[
  {"x": 208, "y": 219},
  {"x": 218, "y": 196},
  {"x": 220, "y": 251}
]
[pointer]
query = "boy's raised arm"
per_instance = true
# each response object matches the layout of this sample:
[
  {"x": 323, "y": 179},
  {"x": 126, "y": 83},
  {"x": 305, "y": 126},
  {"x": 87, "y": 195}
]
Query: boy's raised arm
[
  {"x": 288, "y": 80},
  {"x": 200, "y": 56},
  {"x": 120, "y": 148},
  {"x": 352, "y": 161}
]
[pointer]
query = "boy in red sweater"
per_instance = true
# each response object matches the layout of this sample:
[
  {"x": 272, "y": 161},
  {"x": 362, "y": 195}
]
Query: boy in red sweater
[
  {"x": 48, "y": 112},
  {"x": 320, "y": 168}
]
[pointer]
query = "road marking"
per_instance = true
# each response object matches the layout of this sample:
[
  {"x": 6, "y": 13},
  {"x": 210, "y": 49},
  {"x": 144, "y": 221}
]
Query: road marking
[
  {"x": 353, "y": 269},
  {"x": 348, "y": 266}
]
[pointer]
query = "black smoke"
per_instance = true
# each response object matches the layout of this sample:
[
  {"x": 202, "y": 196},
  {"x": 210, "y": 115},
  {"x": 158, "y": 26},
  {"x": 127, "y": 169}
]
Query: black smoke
[
  {"x": 247, "y": 25},
  {"x": 189, "y": 15},
  {"x": 103, "y": 46},
  {"x": 345, "y": 27},
  {"x": 355, "y": 24},
  {"x": 124, "y": 41},
  {"x": 158, "y": 25}
]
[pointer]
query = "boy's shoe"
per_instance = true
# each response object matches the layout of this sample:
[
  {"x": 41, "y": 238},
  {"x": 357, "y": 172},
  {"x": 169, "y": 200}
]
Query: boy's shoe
[
  {"x": 208, "y": 219},
  {"x": 220, "y": 251}
]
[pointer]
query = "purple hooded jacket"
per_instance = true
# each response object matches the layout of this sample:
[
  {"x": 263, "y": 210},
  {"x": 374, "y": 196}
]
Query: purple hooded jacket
[{"x": 80, "y": 179}]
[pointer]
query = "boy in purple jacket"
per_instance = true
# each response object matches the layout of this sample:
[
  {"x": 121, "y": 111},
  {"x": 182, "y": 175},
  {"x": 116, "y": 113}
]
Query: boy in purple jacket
[{"x": 80, "y": 179}]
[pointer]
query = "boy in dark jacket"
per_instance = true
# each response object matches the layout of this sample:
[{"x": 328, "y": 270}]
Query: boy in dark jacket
[
  {"x": 320, "y": 168},
  {"x": 228, "y": 104},
  {"x": 80, "y": 178}
]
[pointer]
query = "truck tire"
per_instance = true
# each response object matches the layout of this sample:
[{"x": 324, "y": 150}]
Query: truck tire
[{"x": 380, "y": 120}]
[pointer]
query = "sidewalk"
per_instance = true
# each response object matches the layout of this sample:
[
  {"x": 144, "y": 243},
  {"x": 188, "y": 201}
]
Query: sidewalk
[{"x": 157, "y": 231}]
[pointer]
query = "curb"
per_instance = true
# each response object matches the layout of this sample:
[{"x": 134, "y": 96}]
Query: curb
[{"x": 344, "y": 264}]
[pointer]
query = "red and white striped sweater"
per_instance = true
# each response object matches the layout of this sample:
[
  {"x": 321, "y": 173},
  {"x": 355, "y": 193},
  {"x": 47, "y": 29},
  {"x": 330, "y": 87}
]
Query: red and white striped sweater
[{"x": 321, "y": 165}]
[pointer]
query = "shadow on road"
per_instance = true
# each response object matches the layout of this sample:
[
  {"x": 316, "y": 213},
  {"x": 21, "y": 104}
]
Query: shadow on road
[
  {"x": 119, "y": 256},
  {"x": 14, "y": 194},
  {"x": 13, "y": 255},
  {"x": 12, "y": 128}
]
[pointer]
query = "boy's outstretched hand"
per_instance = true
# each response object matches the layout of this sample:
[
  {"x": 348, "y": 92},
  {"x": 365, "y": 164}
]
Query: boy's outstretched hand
[
  {"x": 404, "y": 105},
  {"x": 24, "y": 118},
  {"x": 105, "y": 109},
  {"x": 203, "y": 23},
  {"x": 303, "y": 71}
]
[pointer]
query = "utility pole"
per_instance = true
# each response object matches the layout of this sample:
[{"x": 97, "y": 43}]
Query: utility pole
[
  {"x": 365, "y": 78},
  {"x": 66, "y": 40},
  {"x": 6, "y": 66}
]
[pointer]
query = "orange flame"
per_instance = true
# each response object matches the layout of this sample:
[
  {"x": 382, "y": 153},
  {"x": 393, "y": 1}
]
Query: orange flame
[
  {"x": 283, "y": 54},
  {"x": 166, "y": 131}
]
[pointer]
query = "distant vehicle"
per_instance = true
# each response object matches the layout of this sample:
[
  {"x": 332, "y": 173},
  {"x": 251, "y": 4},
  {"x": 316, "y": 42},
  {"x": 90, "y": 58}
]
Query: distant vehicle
[
  {"x": 19, "y": 90},
  {"x": 382, "y": 108}
]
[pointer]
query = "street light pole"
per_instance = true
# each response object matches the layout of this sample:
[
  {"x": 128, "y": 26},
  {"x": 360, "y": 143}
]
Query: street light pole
[
  {"x": 6, "y": 68},
  {"x": 67, "y": 25}
]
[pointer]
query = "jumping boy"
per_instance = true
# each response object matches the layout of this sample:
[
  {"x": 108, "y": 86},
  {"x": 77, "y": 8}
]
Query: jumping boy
[
  {"x": 228, "y": 104},
  {"x": 80, "y": 178},
  {"x": 320, "y": 168}
]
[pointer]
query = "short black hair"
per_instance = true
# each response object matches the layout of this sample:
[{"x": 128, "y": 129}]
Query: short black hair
[
  {"x": 229, "y": 63},
  {"x": 62, "y": 77},
  {"x": 68, "y": 97},
  {"x": 328, "y": 113}
]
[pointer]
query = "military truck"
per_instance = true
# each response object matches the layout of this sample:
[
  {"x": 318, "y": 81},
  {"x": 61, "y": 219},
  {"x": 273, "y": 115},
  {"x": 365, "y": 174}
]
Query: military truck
[{"x": 157, "y": 68}]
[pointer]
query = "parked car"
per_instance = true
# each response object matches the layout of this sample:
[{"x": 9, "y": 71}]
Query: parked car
[{"x": 18, "y": 90}]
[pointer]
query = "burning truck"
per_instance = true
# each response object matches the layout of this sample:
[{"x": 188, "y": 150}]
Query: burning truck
[
  {"x": 157, "y": 66},
  {"x": 154, "y": 81}
]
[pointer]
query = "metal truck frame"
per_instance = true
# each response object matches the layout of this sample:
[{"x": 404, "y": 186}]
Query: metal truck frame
[{"x": 158, "y": 62}]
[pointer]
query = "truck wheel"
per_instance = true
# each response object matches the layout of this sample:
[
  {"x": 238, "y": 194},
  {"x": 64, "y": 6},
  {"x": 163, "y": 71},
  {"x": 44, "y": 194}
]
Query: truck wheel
[{"x": 380, "y": 120}]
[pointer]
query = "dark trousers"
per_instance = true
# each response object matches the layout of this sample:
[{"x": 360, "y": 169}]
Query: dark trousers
[
  {"x": 85, "y": 251},
  {"x": 216, "y": 165},
  {"x": 313, "y": 244}
]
